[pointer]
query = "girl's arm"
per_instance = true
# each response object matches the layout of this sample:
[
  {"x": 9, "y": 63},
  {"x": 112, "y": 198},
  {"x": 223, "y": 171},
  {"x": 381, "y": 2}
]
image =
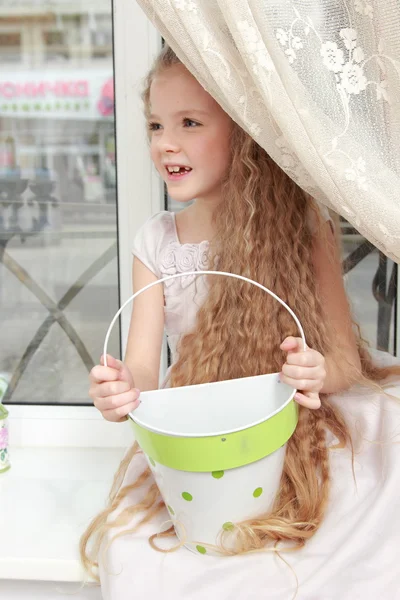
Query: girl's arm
[
  {"x": 115, "y": 389},
  {"x": 146, "y": 329},
  {"x": 342, "y": 362}
]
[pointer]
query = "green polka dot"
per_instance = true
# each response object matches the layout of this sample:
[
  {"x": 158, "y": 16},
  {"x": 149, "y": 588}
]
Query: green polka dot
[
  {"x": 257, "y": 493},
  {"x": 186, "y": 496},
  {"x": 218, "y": 474},
  {"x": 201, "y": 549},
  {"x": 228, "y": 526},
  {"x": 171, "y": 510},
  {"x": 152, "y": 461}
]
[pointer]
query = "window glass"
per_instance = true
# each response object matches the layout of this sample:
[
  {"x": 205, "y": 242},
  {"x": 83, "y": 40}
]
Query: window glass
[{"x": 58, "y": 231}]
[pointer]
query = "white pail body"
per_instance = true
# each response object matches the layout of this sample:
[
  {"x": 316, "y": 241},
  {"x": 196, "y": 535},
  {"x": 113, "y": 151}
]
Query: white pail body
[{"x": 203, "y": 505}]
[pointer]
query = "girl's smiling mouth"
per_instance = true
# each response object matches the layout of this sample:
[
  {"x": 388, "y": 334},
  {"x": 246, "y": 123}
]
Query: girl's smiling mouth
[{"x": 175, "y": 172}]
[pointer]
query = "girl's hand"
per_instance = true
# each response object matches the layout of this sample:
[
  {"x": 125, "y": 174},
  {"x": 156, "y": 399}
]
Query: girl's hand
[
  {"x": 304, "y": 370},
  {"x": 112, "y": 389}
]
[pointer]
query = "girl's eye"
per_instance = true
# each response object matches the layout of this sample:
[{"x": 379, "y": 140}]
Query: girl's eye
[
  {"x": 153, "y": 126},
  {"x": 190, "y": 123}
]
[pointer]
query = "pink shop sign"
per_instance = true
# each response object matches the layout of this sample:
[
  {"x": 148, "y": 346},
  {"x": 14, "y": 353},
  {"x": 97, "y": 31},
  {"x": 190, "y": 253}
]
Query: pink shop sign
[{"x": 42, "y": 89}]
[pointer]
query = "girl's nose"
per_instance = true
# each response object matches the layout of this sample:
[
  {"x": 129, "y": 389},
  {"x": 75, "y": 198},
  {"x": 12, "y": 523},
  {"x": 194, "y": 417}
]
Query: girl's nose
[{"x": 168, "y": 143}]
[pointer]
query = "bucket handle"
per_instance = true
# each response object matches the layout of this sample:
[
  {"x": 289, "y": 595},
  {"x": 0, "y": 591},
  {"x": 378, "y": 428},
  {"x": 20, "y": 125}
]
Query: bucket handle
[{"x": 185, "y": 274}]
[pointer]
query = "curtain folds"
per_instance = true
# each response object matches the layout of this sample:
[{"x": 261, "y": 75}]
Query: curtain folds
[{"x": 316, "y": 83}]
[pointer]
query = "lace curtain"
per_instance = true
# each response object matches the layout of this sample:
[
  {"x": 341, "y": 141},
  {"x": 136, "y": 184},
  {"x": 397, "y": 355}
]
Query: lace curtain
[{"x": 316, "y": 83}]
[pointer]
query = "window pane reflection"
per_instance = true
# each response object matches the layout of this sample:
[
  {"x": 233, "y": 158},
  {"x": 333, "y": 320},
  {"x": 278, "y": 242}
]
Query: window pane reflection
[{"x": 58, "y": 235}]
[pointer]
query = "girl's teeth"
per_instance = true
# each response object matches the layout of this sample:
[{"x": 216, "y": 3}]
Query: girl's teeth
[{"x": 178, "y": 169}]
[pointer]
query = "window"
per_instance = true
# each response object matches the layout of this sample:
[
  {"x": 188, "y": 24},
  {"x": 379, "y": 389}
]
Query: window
[
  {"x": 59, "y": 284},
  {"x": 56, "y": 47},
  {"x": 371, "y": 283}
]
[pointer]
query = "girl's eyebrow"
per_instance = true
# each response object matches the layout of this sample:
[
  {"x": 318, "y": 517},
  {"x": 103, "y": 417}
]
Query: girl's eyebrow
[
  {"x": 186, "y": 111},
  {"x": 191, "y": 111}
]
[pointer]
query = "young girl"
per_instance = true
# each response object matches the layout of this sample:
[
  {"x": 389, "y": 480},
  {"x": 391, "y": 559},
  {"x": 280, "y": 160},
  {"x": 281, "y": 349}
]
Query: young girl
[{"x": 250, "y": 219}]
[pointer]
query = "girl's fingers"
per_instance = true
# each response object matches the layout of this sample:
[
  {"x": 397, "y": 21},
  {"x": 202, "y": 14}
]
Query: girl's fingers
[
  {"x": 111, "y": 388},
  {"x": 292, "y": 344},
  {"x": 120, "y": 414},
  {"x": 303, "y": 370},
  {"x": 296, "y": 372},
  {"x": 311, "y": 400},
  {"x": 309, "y": 358},
  {"x": 99, "y": 374},
  {"x": 112, "y": 362},
  {"x": 117, "y": 403},
  {"x": 310, "y": 385}
]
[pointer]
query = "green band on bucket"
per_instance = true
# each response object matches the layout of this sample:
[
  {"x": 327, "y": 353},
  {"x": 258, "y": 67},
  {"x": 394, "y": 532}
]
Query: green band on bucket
[{"x": 217, "y": 453}]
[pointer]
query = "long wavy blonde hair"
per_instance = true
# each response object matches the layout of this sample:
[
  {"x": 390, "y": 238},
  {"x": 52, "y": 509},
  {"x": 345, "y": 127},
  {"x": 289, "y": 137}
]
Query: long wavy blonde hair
[{"x": 262, "y": 232}]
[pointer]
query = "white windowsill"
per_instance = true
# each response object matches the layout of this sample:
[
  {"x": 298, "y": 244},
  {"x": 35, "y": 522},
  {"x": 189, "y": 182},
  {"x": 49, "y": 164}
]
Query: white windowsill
[
  {"x": 63, "y": 459},
  {"x": 47, "y": 499},
  {"x": 65, "y": 426}
]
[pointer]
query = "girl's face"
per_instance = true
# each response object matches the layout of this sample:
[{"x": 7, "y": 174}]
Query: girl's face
[{"x": 189, "y": 136}]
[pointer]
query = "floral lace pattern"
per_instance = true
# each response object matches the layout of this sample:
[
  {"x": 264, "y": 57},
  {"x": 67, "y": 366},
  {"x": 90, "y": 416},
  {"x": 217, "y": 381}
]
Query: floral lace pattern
[
  {"x": 183, "y": 295},
  {"x": 182, "y": 258},
  {"x": 315, "y": 83}
]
